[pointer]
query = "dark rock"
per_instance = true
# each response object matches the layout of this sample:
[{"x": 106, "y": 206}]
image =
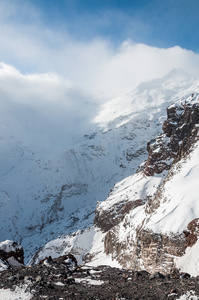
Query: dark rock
[
  {"x": 157, "y": 275},
  {"x": 180, "y": 131},
  {"x": 175, "y": 273},
  {"x": 142, "y": 273},
  {"x": 70, "y": 280},
  {"x": 173, "y": 291},
  {"x": 12, "y": 278},
  {"x": 109, "y": 218},
  {"x": 116, "y": 283},
  {"x": 192, "y": 233},
  {"x": 184, "y": 275},
  {"x": 12, "y": 254}
]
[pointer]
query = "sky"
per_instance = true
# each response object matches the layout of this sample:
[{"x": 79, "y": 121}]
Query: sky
[
  {"x": 55, "y": 56},
  {"x": 160, "y": 23}
]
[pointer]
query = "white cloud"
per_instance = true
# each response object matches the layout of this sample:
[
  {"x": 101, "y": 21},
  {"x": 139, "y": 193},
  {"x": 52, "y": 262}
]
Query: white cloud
[
  {"x": 95, "y": 66},
  {"x": 47, "y": 76},
  {"x": 41, "y": 110}
]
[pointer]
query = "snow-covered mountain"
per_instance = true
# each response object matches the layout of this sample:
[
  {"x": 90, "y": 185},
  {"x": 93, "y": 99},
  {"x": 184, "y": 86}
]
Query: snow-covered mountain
[{"x": 46, "y": 193}]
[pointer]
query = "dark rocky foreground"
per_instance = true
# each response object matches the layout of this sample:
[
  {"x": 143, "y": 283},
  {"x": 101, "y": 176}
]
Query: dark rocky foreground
[{"x": 61, "y": 278}]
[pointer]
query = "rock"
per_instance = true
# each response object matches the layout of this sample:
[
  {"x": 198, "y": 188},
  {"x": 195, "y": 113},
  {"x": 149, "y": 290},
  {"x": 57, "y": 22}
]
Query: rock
[
  {"x": 111, "y": 283},
  {"x": 156, "y": 275},
  {"x": 12, "y": 278},
  {"x": 175, "y": 273},
  {"x": 142, "y": 273},
  {"x": 70, "y": 280},
  {"x": 180, "y": 131},
  {"x": 110, "y": 218},
  {"x": 192, "y": 233},
  {"x": 173, "y": 292},
  {"x": 12, "y": 254},
  {"x": 184, "y": 275},
  {"x": 38, "y": 278}
]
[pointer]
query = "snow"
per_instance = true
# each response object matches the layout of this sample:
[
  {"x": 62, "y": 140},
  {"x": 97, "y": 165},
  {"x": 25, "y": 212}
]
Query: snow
[
  {"x": 137, "y": 186},
  {"x": 8, "y": 246},
  {"x": 97, "y": 249},
  {"x": 3, "y": 266},
  {"x": 89, "y": 281},
  {"x": 59, "y": 283},
  {"x": 77, "y": 244},
  {"x": 190, "y": 295},
  {"x": 14, "y": 263},
  {"x": 18, "y": 293},
  {"x": 179, "y": 205},
  {"x": 178, "y": 201},
  {"x": 189, "y": 262},
  {"x": 31, "y": 180}
]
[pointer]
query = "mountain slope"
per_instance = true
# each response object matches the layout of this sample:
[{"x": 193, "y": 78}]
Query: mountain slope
[
  {"x": 49, "y": 192},
  {"x": 160, "y": 212},
  {"x": 150, "y": 219}
]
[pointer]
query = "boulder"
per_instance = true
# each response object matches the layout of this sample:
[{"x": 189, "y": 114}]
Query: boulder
[{"x": 12, "y": 254}]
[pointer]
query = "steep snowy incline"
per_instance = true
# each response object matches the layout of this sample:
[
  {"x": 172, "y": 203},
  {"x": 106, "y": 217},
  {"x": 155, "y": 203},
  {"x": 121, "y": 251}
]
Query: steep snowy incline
[
  {"x": 149, "y": 222},
  {"x": 46, "y": 193}
]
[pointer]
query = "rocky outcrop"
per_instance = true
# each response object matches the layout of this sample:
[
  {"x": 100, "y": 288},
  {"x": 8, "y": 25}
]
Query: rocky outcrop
[
  {"x": 110, "y": 218},
  {"x": 192, "y": 233},
  {"x": 180, "y": 131},
  {"x": 154, "y": 252},
  {"x": 12, "y": 254}
]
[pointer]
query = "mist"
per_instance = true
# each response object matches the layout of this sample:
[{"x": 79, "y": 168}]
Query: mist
[{"x": 52, "y": 85}]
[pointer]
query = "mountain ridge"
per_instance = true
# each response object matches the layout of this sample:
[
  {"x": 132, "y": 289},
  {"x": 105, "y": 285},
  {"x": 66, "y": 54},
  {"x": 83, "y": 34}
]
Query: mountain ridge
[{"x": 46, "y": 194}]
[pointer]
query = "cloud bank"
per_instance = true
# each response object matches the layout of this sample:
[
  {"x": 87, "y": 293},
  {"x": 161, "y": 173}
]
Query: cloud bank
[
  {"x": 51, "y": 84},
  {"x": 95, "y": 66},
  {"x": 41, "y": 110},
  {"x": 48, "y": 109}
]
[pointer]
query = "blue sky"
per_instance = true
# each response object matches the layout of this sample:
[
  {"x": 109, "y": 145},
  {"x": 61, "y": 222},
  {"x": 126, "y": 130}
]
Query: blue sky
[
  {"x": 98, "y": 46},
  {"x": 160, "y": 23}
]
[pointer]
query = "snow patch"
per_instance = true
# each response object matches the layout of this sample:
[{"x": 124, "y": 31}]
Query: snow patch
[
  {"x": 9, "y": 246},
  {"x": 19, "y": 293},
  {"x": 89, "y": 281},
  {"x": 190, "y": 295},
  {"x": 189, "y": 262}
]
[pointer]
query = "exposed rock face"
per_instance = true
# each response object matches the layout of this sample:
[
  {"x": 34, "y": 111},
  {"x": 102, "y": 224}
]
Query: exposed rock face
[
  {"x": 180, "y": 131},
  {"x": 192, "y": 234},
  {"x": 110, "y": 218},
  {"x": 12, "y": 254},
  {"x": 151, "y": 251}
]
